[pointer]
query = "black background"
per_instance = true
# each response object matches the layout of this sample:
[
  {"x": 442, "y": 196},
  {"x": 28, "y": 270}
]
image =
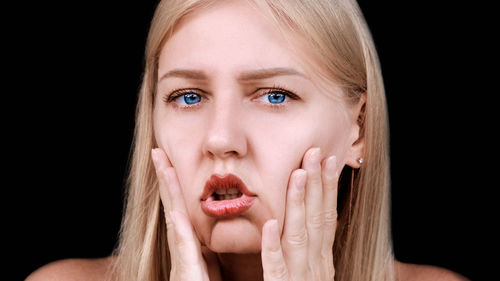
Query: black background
[{"x": 68, "y": 122}]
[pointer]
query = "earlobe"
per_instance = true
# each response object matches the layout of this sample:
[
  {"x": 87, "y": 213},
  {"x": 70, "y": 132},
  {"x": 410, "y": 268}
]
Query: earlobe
[{"x": 355, "y": 157}]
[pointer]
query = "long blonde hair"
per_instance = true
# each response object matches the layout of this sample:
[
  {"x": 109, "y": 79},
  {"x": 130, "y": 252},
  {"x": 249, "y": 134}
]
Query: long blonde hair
[{"x": 336, "y": 31}]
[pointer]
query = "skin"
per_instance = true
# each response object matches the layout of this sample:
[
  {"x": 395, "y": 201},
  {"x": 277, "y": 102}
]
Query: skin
[
  {"x": 289, "y": 154},
  {"x": 288, "y": 158},
  {"x": 235, "y": 129}
]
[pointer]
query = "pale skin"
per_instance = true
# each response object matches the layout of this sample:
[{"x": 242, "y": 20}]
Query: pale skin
[
  {"x": 258, "y": 112},
  {"x": 280, "y": 150}
]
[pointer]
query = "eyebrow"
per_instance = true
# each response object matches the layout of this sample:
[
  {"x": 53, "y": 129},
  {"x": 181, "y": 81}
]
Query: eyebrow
[{"x": 259, "y": 74}]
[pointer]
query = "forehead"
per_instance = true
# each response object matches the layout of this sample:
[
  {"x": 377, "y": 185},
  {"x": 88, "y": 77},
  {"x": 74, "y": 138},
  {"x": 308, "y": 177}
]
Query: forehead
[{"x": 228, "y": 35}]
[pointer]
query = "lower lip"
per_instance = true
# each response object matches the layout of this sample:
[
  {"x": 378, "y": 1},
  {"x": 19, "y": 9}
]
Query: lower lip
[{"x": 226, "y": 208}]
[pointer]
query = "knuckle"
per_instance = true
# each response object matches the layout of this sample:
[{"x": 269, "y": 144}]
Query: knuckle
[
  {"x": 314, "y": 272},
  {"x": 297, "y": 239},
  {"x": 331, "y": 179},
  {"x": 330, "y": 217},
  {"x": 315, "y": 179},
  {"x": 278, "y": 272},
  {"x": 274, "y": 252},
  {"x": 330, "y": 183},
  {"x": 315, "y": 221},
  {"x": 297, "y": 198},
  {"x": 327, "y": 256}
]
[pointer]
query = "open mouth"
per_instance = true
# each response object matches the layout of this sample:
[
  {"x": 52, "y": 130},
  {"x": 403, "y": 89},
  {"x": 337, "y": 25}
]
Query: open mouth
[
  {"x": 226, "y": 194},
  {"x": 225, "y": 197}
]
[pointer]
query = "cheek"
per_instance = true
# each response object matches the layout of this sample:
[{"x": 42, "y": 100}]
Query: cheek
[
  {"x": 278, "y": 151},
  {"x": 333, "y": 139},
  {"x": 281, "y": 149},
  {"x": 178, "y": 137},
  {"x": 333, "y": 132},
  {"x": 182, "y": 144}
]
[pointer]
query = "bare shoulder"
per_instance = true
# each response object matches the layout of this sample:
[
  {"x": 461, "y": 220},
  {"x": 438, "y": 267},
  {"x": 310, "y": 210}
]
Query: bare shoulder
[
  {"x": 73, "y": 270},
  {"x": 419, "y": 272}
]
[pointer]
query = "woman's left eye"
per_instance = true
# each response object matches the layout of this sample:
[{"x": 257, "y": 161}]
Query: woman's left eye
[{"x": 275, "y": 97}]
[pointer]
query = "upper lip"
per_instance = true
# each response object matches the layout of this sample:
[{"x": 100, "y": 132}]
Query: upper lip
[{"x": 224, "y": 182}]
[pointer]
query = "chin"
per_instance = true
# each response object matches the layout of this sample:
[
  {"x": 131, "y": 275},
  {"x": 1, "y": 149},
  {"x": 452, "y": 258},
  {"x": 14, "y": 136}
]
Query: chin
[{"x": 237, "y": 235}]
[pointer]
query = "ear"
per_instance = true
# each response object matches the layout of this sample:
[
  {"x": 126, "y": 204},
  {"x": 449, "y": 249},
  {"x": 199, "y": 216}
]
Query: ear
[{"x": 356, "y": 138}]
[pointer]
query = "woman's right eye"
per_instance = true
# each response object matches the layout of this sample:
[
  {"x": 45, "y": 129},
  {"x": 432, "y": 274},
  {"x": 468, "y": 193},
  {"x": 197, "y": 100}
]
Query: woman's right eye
[
  {"x": 188, "y": 99},
  {"x": 184, "y": 98}
]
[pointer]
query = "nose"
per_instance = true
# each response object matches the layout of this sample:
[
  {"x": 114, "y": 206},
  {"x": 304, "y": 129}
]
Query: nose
[{"x": 226, "y": 135}]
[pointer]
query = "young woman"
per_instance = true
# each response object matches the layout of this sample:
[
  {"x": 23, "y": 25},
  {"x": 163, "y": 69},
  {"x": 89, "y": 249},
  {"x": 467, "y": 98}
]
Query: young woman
[{"x": 260, "y": 150}]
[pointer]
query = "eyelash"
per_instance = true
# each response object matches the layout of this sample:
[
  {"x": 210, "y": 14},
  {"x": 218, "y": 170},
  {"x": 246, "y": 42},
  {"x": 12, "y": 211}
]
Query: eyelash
[
  {"x": 279, "y": 89},
  {"x": 180, "y": 92},
  {"x": 170, "y": 99}
]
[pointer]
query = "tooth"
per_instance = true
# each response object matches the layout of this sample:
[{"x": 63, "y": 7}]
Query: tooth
[
  {"x": 220, "y": 191},
  {"x": 232, "y": 190}
]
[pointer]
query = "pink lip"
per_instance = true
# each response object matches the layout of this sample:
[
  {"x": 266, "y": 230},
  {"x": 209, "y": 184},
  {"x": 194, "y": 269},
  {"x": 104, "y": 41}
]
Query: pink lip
[{"x": 225, "y": 208}]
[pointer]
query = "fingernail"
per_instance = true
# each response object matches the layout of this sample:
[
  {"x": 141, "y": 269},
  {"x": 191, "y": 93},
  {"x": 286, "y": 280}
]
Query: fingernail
[
  {"x": 155, "y": 157},
  {"x": 331, "y": 166},
  {"x": 315, "y": 154},
  {"x": 300, "y": 179},
  {"x": 315, "y": 158}
]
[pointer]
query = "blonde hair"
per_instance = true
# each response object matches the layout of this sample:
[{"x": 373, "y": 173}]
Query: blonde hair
[{"x": 338, "y": 34}]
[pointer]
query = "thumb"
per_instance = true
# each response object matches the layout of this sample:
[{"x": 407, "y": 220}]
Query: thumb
[
  {"x": 273, "y": 262},
  {"x": 189, "y": 263},
  {"x": 185, "y": 240}
]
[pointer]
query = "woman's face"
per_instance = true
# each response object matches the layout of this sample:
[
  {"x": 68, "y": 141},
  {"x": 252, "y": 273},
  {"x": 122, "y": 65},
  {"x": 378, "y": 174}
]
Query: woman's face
[{"x": 233, "y": 98}]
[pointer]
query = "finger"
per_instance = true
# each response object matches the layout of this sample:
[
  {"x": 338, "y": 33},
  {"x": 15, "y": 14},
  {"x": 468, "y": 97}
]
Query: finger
[
  {"x": 273, "y": 262},
  {"x": 330, "y": 191},
  {"x": 167, "y": 180},
  {"x": 294, "y": 239},
  {"x": 170, "y": 191},
  {"x": 313, "y": 203},
  {"x": 189, "y": 259}
]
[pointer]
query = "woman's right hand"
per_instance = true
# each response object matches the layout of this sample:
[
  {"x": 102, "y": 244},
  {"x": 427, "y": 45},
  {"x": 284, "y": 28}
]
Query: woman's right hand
[{"x": 185, "y": 249}]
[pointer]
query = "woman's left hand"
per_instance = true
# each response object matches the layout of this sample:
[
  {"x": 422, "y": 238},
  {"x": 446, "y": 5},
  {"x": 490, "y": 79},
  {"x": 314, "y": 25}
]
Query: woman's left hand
[{"x": 304, "y": 251}]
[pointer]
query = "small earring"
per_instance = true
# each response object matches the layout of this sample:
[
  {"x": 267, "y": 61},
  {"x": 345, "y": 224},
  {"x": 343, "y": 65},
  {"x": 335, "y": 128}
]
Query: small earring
[{"x": 361, "y": 160}]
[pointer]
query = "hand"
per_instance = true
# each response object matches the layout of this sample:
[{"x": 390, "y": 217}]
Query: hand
[
  {"x": 304, "y": 251},
  {"x": 185, "y": 250}
]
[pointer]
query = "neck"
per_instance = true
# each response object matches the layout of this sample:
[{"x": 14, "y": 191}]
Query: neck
[{"x": 240, "y": 267}]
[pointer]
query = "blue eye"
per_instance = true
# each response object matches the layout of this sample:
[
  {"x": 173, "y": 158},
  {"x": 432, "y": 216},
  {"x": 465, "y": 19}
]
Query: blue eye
[
  {"x": 188, "y": 99},
  {"x": 276, "y": 97}
]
